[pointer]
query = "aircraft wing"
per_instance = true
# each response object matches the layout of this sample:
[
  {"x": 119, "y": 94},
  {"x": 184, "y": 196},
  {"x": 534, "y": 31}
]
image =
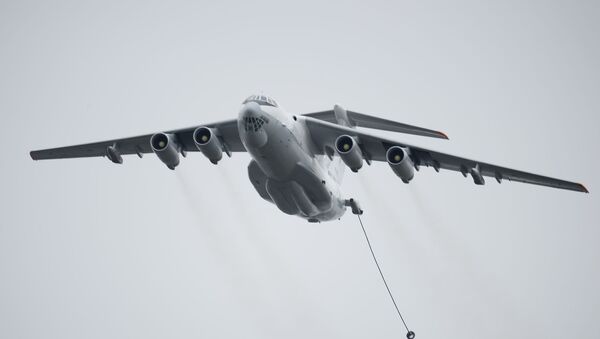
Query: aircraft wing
[
  {"x": 369, "y": 121},
  {"x": 374, "y": 148},
  {"x": 227, "y": 131}
]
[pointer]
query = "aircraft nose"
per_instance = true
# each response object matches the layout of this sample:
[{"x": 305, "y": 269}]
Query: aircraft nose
[
  {"x": 250, "y": 109},
  {"x": 250, "y": 125}
]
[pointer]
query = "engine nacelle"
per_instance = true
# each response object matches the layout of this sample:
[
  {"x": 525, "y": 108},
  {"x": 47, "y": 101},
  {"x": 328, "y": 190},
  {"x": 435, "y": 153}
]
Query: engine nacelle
[
  {"x": 398, "y": 159},
  {"x": 166, "y": 148},
  {"x": 349, "y": 151},
  {"x": 208, "y": 143}
]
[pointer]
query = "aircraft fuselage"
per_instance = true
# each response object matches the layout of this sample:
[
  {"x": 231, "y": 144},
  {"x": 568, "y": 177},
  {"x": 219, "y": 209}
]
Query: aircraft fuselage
[{"x": 285, "y": 169}]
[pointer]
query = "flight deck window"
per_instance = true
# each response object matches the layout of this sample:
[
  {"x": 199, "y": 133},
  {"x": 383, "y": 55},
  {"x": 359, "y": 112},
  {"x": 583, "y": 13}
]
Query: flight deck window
[{"x": 261, "y": 100}]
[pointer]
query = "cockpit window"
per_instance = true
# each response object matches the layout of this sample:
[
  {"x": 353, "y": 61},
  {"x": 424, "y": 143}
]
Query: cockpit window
[{"x": 261, "y": 100}]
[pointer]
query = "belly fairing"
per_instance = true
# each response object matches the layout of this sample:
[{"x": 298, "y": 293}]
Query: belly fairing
[
  {"x": 306, "y": 195},
  {"x": 259, "y": 180}
]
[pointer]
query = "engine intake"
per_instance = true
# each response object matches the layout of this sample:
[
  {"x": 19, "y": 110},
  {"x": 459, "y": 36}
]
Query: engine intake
[
  {"x": 208, "y": 143},
  {"x": 349, "y": 151},
  {"x": 166, "y": 149},
  {"x": 398, "y": 159}
]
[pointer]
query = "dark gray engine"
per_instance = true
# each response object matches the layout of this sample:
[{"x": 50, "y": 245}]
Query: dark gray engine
[
  {"x": 398, "y": 159},
  {"x": 349, "y": 151},
  {"x": 166, "y": 148},
  {"x": 208, "y": 143}
]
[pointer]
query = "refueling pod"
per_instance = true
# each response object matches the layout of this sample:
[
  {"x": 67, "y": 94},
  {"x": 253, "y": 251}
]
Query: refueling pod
[
  {"x": 208, "y": 143},
  {"x": 398, "y": 159},
  {"x": 349, "y": 151},
  {"x": 166, "y": 148}
]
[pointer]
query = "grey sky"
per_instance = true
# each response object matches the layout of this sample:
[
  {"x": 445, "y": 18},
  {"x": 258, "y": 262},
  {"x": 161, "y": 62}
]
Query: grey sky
[{"x": 93, "y": 250}]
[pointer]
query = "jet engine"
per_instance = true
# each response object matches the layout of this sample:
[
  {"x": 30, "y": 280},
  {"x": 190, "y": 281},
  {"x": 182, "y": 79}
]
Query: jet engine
[
  {"x": 398, "y": 159},
  {"x": 208, "y": 143},
  {"x": 349, "y": 151},
  {"x": 166, "y": 148}
]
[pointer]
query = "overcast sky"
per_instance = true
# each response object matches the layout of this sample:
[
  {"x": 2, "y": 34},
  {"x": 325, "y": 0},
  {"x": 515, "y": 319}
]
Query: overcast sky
[{"x": 89, "y": 249}]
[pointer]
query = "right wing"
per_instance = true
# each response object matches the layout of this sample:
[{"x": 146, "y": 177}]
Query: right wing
[
  {"x": 227, "y": 130},
  {"x": 374, "y": 148}
]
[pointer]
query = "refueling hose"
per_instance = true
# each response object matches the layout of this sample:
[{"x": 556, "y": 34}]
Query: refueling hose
[{"x": 409, "y": 334}]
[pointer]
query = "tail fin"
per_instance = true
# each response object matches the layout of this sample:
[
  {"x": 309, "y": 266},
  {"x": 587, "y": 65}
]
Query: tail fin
[{"x": 348, "y": 118}]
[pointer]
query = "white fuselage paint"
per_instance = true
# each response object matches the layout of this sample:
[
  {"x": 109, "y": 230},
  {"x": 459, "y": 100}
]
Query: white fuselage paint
[{"x": 286, "y": 169}]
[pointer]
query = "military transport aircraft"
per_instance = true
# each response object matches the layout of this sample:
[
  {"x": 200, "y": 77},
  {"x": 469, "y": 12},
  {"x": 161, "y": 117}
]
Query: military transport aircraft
[{"x": 298, "y": 160}]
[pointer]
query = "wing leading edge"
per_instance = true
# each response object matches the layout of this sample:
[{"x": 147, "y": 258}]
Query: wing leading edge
[{"x": 374, "y": 148}]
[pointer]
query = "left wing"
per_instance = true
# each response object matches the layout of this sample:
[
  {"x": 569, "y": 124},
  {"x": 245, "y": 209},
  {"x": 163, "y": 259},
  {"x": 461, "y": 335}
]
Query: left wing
[
  {"x": 374, "y": 148},
  {"x": 369, "y": 121},
  {"x": 228, "y": 133}
]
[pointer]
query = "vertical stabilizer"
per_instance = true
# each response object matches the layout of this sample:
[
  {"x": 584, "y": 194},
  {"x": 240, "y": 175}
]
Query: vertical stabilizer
[{"x": 341, "y": 116}]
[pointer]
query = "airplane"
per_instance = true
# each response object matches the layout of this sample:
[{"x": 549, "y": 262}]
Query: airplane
[{"x": 298, "y": 160}]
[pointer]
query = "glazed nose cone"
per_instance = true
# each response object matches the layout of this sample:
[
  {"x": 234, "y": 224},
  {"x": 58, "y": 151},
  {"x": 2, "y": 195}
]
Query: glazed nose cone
[{"x": 251, "y": 126}]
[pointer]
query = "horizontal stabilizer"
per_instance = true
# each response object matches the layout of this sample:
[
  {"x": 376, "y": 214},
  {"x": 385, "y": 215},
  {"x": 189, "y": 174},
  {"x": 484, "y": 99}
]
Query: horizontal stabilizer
[{"x": 369, "y": 121}]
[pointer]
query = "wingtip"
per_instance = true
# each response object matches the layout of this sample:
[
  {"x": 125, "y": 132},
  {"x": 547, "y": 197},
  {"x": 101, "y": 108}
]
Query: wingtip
[
  {"x": 32, "y": 155},
  {"x": 443, "y": 135},
  {"x": 583, "y": 189}
]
